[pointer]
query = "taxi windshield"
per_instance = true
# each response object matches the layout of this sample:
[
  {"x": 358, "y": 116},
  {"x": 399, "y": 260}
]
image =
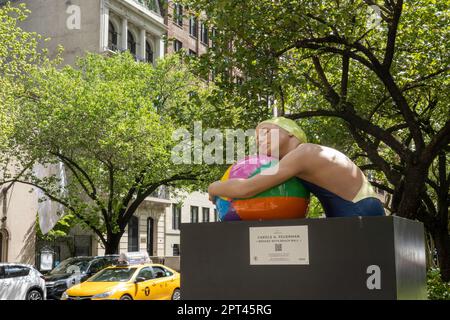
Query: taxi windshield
[{"x": 113, "y": 275}]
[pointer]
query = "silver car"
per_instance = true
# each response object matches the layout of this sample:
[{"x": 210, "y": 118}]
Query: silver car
[{"x": 21, "y": 282}]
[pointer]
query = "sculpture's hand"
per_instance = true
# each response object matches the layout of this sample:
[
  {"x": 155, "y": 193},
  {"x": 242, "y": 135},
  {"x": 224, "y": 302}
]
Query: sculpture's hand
[{"x": 211, "y": 193}]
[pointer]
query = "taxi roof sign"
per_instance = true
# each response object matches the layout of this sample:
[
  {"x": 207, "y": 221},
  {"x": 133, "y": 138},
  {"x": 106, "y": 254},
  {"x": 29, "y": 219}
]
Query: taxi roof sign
[{"x": 131, "y": 258}]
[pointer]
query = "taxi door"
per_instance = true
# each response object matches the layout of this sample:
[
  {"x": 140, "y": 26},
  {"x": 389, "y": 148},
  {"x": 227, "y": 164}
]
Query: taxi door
[
  {"x": 146, "y": 287},
  {"x": 165, "y": 281}
]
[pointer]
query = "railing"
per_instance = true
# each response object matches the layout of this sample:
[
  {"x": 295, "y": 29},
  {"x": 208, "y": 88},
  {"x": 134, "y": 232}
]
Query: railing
[
  {"x": 113, "y": 47},
  {"x": 151, "y": 5}
]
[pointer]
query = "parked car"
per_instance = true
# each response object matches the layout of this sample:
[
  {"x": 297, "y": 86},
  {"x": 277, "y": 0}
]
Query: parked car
[
  {"x": 21, "y": 282},
  {"x": 73, "y": 271}
]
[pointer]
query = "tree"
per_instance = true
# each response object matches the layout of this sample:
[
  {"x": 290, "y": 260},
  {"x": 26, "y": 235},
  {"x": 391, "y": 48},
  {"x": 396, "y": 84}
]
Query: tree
[
  {"x": 376, "y": 73},
  {"x": 19, "y": 55},
  {"x": 110, "y": 121}
]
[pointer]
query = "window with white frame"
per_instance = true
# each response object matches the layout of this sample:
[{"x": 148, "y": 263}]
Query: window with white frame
[
  {"x": 148, "y": 52},
  {"x": 194, "y": 214},
  {"x": 177, "y": 45},
  {"x": 113, "y": 37},
  {"x": 178, "y": 14},
  {"x": 131, "y": 43},
  {"x": 204, "y": 33},
  {"x": 205, "y": 214},
  {"x": 176, "y": 249},
  {"x": 176, "y": 216},
  {"x": 193, "y": 26}
]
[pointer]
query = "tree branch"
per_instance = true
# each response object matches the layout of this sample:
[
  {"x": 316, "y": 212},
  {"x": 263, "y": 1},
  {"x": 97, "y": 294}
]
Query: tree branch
[
  {"x": 376, "y": 159},
  {"x": 319, "y": 44},
  {"x": 382, "y": 187},
  {"x": 324, "y": 22},
  {"x": 392, "y": 35},
  {"x": 369, "y": 167},
  {"x": 24, "y": 169},
  {"x": 439, "y": 141},
  {"x": 129, "y": 196},
  {"x": 330, "y": 93},
  {"x": 65, "y": 204},
  {"x": 64, "y": 158},
  {"x": 141, "y": 196},
  {"x": 72, "y": 165},
  {"x": 354, "y": 120},
  {"x": 111, "y": 187},
  {"x": 315, "y": 113},
  {"x": 344, "y": 77},
  {"x": 400, "y": 100}
]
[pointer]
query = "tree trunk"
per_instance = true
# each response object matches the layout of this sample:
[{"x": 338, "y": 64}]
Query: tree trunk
[
  {"x": 412, "y": 189},
  {"x": 441, "y": 239},
  {"x": 112, "y": 243}
]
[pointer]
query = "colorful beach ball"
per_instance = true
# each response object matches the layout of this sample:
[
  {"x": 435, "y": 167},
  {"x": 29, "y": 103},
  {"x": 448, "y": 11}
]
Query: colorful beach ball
[{"x": 288, "y": 200}]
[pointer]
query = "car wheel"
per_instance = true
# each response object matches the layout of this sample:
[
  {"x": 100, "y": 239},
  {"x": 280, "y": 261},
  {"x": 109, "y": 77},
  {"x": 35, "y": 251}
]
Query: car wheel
[
  {"x": 176, "y": 294},
  {"x": 34, "y": 294},
  {"x": 126, "y": 297}
]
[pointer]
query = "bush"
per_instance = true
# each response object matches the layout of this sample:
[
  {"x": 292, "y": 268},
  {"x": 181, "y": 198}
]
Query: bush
[{"x": 437, "y": 289}]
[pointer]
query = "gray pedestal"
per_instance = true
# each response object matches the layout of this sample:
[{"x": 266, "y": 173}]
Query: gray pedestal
[{"x": 349, "y": 258}]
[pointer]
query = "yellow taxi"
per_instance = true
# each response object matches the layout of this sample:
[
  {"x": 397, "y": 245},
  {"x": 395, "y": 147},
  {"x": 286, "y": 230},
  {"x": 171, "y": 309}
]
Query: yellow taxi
[{"x": 146, "y": 281}]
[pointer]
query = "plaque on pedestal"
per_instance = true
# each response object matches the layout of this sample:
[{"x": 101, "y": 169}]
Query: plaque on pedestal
[{"x": 334, "y": 258}]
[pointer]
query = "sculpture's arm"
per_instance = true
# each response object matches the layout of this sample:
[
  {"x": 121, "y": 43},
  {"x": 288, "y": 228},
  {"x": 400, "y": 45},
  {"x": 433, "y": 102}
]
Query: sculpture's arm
[{"x": 288, "y": 167}]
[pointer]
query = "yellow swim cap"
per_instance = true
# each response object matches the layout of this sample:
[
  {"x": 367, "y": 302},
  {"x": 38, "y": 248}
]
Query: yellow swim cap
[{"x": 289, "y": 125}]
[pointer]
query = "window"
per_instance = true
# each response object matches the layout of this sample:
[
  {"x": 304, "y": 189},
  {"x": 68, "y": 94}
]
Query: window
[
  {"x": 177, "y": 45},
  {"x": 67, "y": 265},
  {"x": 216, "y": 217},
  {"x": 176, "y": 249},
  {"x": 192, "y": 53},
  {"x": 193, "y": 26},
  {"x": 161, "y": 272},
  {"x": 204, "y": 33},
  {"x": 213, "y": 36},
  {"x": 148, "y": 53},
  {"x": 131, "y": 43},
  {"x": 178, "y": 14},
  {"x": 176, "y": 216},
  {"x": 150, "y": 233},
  {"x": 168, "y": 273},
  {"x": 205, "y": 214},
  {"x": 146, "y": 273},
  {"x": 112, "y": 37},
  {"x": 98, "y": 265},
  {"x": 194, "y": 214},
  {"x": 16, "y": 271},
  {"x": 113, "y": 275},
  {"x": 133, "y": 234}
]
